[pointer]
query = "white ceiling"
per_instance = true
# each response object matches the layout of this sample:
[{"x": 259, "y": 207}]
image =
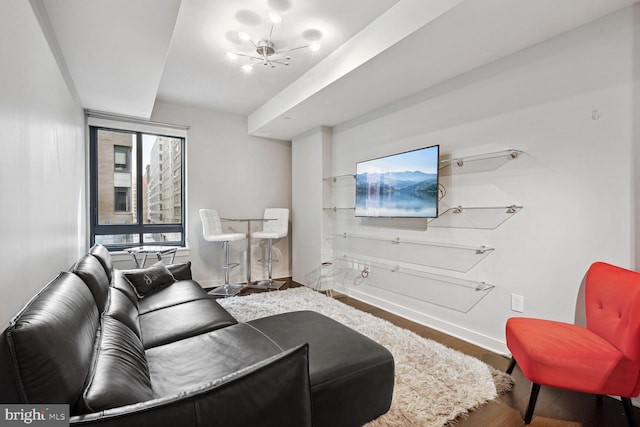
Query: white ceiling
[
  {"x": 198, "y": 70},
  {"x": 123, "y": 55},
  {"x": 114, "y": 50}
]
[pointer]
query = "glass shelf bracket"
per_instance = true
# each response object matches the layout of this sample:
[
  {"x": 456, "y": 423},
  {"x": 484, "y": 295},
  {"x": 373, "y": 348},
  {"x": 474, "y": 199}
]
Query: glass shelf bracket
[
  {"x": 338, "y": 177},
  {"x": 478, "y": 163},
  {"x": 488, "y": 218},
  {"x": 335, "y": 209},
  {"x": 449, "y": 292},
  {"x": 445, "y": 256}
]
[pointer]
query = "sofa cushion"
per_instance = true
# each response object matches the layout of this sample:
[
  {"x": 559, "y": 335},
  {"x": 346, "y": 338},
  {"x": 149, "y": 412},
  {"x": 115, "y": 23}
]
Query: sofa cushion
[
  {"x": 91, "y": 271},
  {"x": 121, "y": 308},
  {"x": 52, "y": 340},
  {"x": 119, "y": 375},
  {"x": 182, "y": 321},
  {"x": 178, "y": 293},
  {"x": 103, "y": 255},
  {"x": 149, "y": 279},
  {"x": 182, "y": 365}
]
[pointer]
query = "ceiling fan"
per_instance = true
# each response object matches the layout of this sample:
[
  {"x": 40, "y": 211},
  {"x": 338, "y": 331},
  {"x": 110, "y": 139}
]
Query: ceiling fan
[{"x": 266, "y": 51}]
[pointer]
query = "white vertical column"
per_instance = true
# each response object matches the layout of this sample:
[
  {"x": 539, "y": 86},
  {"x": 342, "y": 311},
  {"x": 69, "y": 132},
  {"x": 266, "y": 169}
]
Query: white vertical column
[{"x": 310, "y": 157}]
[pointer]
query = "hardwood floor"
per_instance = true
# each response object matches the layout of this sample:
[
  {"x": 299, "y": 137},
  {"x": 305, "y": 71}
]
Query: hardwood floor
[{"x": 555, "y": 407}]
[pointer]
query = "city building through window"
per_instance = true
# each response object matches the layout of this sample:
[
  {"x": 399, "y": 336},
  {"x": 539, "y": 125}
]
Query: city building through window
[{"x": 137, "y": 188}]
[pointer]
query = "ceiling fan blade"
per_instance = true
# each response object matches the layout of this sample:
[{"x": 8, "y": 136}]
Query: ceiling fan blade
[
  {"x": 290, "y": 50},
  {"x": 257, "y": 58},
  {"x": 280, "y": 61}
]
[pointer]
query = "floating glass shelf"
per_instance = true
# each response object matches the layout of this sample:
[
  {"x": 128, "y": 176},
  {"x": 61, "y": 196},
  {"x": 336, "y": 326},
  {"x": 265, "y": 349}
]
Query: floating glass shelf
[
  {"x": 439, "y": 255},
  {"x": 449, "y": 292},
  {"x": 488, "y": 218},
  {"x": 478, "y": 163}
]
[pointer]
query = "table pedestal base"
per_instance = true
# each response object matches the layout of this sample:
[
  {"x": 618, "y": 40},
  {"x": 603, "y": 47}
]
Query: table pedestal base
[
  {"x": 269, "y": 284},
  {"x": 227, "y": 290}
]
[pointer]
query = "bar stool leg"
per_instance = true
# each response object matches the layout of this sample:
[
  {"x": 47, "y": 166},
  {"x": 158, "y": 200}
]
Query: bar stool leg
[
  {"x": 270, "y": 262},
  {"x": 270, "y": 284},
  {"x": 227, "y": 290},
  {"x": 226, "y": 264}
]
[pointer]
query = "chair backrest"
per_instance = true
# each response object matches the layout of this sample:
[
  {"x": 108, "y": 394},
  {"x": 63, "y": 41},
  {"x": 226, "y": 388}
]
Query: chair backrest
[
  {"x": 280, "y": 223},
  {"x": 211, "y": 224},
  {"x": 612, "y": 297}
]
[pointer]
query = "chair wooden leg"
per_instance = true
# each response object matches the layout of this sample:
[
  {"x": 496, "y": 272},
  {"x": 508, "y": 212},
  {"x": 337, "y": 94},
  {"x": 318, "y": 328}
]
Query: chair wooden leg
[
  {"x": 512, "y": 365},
  {"x": 535, "y": 389},
  {"x": 628, "y": 411}
]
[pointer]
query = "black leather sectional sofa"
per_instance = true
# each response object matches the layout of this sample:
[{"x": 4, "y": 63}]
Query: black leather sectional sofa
[{"x": 172, "y": 356}]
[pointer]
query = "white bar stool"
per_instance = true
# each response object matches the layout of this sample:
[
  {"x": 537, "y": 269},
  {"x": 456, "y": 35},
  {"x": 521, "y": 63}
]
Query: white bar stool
[
  {"x": 212, "y": 232},
  {"x": 276, "y": 228}
]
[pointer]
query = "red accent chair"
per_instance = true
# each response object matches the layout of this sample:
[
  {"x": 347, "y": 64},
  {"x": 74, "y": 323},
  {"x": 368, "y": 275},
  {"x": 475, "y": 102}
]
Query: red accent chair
[{"x": 603, "y": 358}]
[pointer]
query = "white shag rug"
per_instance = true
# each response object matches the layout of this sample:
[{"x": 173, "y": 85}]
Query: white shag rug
[{"x": 433, "y": 383}]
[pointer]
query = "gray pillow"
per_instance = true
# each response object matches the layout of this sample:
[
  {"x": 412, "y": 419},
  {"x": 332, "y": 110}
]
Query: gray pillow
[{"x": 150, "y": 279}]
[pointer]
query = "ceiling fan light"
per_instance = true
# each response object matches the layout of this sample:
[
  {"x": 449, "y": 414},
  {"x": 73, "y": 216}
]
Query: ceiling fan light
[
  {"x": 265, "y": 51},
  {"x": 275, "y": 18}
]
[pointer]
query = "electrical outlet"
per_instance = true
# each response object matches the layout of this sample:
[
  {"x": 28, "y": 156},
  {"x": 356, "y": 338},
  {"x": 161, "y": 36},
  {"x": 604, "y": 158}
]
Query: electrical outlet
[{"x": 517, "y": 303}]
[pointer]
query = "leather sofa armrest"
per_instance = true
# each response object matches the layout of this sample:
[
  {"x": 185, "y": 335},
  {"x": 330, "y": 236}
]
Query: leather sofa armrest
[{"x": 271, "y": 393}]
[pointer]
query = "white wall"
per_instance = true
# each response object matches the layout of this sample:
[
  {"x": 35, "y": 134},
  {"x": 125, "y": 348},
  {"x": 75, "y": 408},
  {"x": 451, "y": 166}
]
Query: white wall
[
  {"x": 568, "y": 104},
  {"x": 42, "y": 172},
  {"x": 237, "y": 174},
  {"x": 635, "y": 112}
]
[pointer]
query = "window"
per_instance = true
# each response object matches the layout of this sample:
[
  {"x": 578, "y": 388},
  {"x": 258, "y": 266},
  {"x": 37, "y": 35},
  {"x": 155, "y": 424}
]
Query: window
[
  {"x": 122, "y": 199},
  {"x": 130, "y": 204},
  {"x": 121, "y": 158}
]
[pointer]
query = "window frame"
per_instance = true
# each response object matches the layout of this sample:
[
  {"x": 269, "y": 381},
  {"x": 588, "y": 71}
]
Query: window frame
[{"x": 140, "y": 228}]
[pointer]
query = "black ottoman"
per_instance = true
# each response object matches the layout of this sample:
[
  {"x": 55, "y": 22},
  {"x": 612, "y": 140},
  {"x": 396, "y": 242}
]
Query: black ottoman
[{"x": 351, "y": 375}]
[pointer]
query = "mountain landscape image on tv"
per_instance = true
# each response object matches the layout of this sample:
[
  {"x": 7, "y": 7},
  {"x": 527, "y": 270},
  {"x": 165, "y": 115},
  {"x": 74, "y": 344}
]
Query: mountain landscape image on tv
[{"x": 403, "y": 185}]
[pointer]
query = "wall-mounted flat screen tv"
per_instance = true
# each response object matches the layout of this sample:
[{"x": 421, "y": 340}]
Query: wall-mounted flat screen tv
[{"x": 403, "y": 185}]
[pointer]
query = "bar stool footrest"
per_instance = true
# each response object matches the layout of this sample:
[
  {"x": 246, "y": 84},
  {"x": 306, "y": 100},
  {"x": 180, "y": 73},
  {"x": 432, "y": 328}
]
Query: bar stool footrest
[{"x": 231, "y": 265}]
